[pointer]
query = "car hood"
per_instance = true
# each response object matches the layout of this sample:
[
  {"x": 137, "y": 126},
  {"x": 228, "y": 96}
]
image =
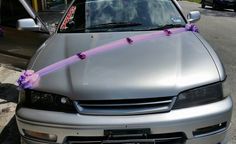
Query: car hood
[{"x": 159, "y": 67}]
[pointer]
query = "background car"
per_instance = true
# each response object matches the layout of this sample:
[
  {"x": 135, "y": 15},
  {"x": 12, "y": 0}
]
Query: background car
[
  {"x": 52, "y": 3},
  {"x": 220, "y": 4}
]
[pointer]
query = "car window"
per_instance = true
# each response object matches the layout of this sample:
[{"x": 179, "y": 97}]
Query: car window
[{"x": 120, "y": 15}]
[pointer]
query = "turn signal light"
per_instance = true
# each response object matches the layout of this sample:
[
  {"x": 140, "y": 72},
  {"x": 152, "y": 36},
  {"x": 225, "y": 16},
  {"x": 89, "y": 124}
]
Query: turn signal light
[{"x": 40, "y": 136}]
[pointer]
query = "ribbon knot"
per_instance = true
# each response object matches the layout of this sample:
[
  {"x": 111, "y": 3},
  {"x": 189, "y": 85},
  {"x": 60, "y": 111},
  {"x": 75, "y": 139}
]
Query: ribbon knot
[
  {"x": 129, "y": 40},
  {"x": 191, "y": 27},
  {"x": 167, "y": 32},
  {"x": 28, "y": 79},
  {"x": 81, "y": 56}
]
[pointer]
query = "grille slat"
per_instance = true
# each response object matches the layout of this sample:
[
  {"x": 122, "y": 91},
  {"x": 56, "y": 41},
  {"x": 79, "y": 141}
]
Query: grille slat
[{"x": 125, "y": 106}]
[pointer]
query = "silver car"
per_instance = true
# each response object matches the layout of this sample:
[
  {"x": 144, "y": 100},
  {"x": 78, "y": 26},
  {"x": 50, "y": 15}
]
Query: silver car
[{"x": 168, "y": 90}]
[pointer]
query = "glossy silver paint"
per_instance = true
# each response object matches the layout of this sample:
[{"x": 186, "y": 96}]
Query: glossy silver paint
[
  {"x": 214, "y": 56},
  {"x": 193, "y": 16},
  {"x": 160, "y": 67}
]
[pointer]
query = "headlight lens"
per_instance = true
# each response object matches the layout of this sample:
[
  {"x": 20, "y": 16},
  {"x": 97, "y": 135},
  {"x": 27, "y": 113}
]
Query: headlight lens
[
  {"x": 46, "y": 101},
  {"x": 200, "y": 96}
]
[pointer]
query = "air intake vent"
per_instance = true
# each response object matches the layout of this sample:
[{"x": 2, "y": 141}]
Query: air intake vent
[
  {"x": 125, "y": 106},
  {"x": 170, "y": 138}
]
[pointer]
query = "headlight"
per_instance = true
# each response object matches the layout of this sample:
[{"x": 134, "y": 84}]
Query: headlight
[
  {"x": 45, "y": 101},
  {"x": 202, "y": 95}
]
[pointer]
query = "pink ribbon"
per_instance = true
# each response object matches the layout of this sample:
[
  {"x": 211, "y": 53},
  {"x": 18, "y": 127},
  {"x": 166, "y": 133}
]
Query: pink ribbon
[{"x": 30, "y": 79}]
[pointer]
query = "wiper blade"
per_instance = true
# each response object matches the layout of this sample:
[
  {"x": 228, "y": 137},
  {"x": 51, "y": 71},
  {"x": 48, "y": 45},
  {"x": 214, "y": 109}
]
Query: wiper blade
[
  {"x": 168, "y": 26},
  {"x": 106, "y": 26},
  {"x": 103, "y": 27},
  {"x": 114, "y": 25}
]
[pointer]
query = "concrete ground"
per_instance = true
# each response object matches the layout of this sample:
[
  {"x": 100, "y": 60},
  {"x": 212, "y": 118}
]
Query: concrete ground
[{"x": 217, "y": 27}]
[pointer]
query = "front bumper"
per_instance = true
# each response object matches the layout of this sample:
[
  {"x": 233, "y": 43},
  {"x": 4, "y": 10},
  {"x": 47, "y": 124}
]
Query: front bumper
[{"x": 186, "y": 121}]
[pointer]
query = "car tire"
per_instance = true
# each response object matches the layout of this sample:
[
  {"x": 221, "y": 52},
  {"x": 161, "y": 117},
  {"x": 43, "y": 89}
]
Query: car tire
[
  {"x": 203, "y": 4},
  {"x": 234, "y": 9}
]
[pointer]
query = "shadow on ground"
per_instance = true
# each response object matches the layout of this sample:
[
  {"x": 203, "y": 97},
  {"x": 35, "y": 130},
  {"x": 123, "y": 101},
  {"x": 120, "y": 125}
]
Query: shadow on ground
[
  {"x": 9, "y": 92},
  {"x": 9, "y": 135}
]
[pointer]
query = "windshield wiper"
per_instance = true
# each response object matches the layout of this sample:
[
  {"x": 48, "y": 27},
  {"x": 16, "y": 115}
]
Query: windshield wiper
[
  {"x": 114, "y": 25},
  {"x": 104, "y": 27},
  {"x": 167, "y": 26}
]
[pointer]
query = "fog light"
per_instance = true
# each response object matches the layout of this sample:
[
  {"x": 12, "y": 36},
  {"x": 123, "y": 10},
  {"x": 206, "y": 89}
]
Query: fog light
[
  {"x": 40, "y": 136},
  {"x": 210, "y": 130}
]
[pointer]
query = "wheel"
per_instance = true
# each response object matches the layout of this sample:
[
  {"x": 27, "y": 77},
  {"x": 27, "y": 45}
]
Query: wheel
[
  {"x": 203, "y": 4},
  {"x": 234, "y": 9}
]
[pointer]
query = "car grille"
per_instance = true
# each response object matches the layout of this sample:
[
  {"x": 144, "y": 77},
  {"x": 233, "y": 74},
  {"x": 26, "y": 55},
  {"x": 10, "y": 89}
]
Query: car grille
[
  {"x": 170, "y": 138},
  {"x": 125, "y": 106}
]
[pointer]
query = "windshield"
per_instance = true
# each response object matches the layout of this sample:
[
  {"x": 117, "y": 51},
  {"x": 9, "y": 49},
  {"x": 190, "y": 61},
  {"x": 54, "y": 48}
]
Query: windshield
[{"x": 86, "y": 16}]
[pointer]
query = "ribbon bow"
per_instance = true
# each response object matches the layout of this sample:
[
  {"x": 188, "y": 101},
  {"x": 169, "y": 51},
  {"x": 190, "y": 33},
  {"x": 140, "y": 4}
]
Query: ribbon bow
[
  {"x": 28, "y": 79},
  {"x": 191, "y": 27}
]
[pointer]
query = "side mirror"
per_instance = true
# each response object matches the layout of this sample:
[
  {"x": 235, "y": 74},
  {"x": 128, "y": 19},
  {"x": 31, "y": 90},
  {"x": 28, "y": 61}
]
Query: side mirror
[
  {"x": 193, "y": 16},
  {"x": 34, "y": 24},
  {"x": 27, "y": 24}
]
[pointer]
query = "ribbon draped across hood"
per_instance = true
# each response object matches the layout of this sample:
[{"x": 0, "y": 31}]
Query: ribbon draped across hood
[{"x": 30, "y": 79}]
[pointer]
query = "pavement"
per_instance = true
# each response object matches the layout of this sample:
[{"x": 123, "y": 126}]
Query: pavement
[
  {"x": 8, "y": 100},
  {"x": 217, "y": 27}
]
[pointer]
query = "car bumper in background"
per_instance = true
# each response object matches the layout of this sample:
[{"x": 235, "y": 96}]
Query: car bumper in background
[
  {"x": 227, "y": 4},
  {"x": 206, "y": 124}
]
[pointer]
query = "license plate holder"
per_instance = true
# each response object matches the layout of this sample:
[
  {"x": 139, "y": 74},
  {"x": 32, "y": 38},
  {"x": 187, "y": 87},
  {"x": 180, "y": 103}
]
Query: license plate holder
[
  {"x": 127, "y": 132},
  {"x": 128, "y": 136}
]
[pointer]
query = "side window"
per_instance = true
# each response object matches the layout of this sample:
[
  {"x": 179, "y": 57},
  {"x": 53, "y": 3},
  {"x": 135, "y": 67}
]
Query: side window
[
  {"x": 51, "y": 11},
  {"x": 11, "y": 11}
]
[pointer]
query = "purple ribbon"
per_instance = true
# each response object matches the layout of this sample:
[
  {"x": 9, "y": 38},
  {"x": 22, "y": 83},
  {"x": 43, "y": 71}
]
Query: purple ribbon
[
  {"x": 30, "y": 79},
  {"x": 191, "y": 27}
]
